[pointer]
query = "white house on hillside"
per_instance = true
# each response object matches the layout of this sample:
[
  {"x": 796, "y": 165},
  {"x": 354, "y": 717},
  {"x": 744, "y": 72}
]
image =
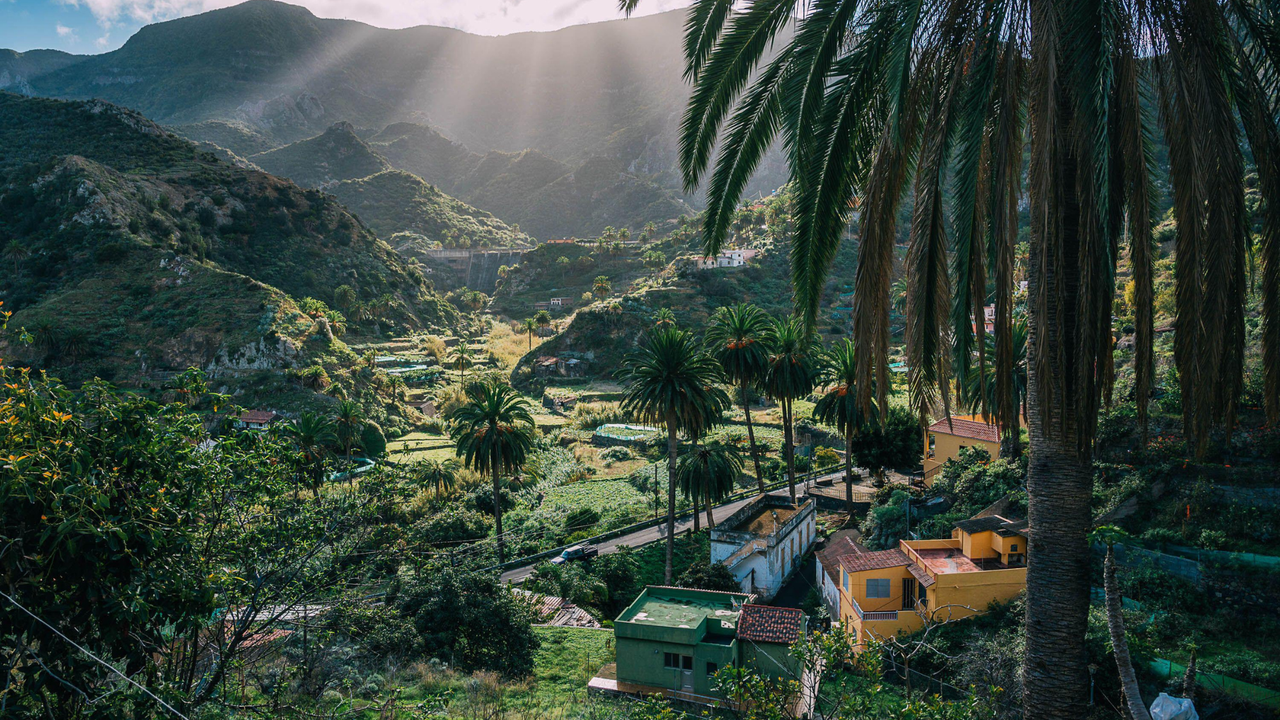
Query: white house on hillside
[
  {"x": 728, "y": 258},
  {"x": 762, "y": 543}
]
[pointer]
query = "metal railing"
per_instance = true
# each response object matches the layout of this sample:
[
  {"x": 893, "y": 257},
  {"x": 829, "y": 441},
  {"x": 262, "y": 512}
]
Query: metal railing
[{"x": 872, "y": 616}]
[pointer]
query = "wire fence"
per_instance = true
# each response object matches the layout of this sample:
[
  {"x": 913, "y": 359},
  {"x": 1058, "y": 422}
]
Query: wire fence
[{"x": 1168, "y": 669}]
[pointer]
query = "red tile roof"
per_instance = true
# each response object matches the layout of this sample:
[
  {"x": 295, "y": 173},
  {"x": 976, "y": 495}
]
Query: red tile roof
[
  {"x": 257, "y": 416},
  {"x": 874, "y": 560},
  {"x": 831, "y": 556},
  {"x": 967, "y": 429},
  {"x": 764, "y": 623}
]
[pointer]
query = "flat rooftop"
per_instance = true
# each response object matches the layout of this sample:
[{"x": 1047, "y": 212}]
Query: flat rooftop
[
  {"x": 683, "y": 608},
  {"x": 941, "y": 561},
  {"x": 767, "y": 519}
]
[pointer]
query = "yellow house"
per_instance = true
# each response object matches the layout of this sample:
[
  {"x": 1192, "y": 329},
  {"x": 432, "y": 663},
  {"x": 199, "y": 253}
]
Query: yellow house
[
  {"x": 944, "y": 440},
  {"x": 886, "y": 592}
]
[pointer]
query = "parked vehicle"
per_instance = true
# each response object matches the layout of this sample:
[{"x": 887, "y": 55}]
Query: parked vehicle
[{"x": 577, "y": 552}]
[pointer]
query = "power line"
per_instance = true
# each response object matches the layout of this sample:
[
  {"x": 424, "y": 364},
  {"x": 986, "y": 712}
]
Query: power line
[{"x": 99, "y": 660}]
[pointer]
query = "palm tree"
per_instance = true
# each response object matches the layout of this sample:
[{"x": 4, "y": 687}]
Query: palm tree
[
  {"x": 789, "y": 374},
  {"x": 314, "y": 435},
  {"x": 977, "y": 389},
  {"x": 530, "y": 327},
  {"x": 543, "y": 318},
  {"x": 15, "y": 251},
  {"x": 671, "y": 383},
  {"x": 708, "y": 472},
  {"x": 950, "y": 96},
  {"x": 348, "y": 424},
  {"x": 460, "y": 357},
  {"x": 601, "y": 286},
  {"x": 839, "y": 404},
  {"x": 441, "y": 477},
  {"x": 493, "y": 432},
  {"x": 739, "y": 340},
  {"x": 664, "y": 316}
]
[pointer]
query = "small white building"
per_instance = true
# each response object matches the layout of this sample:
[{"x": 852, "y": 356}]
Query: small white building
[
  {"x": 762, "y": 544},
  {"x": 727, "y": 259},
  {"x": 256, "y": 419}
]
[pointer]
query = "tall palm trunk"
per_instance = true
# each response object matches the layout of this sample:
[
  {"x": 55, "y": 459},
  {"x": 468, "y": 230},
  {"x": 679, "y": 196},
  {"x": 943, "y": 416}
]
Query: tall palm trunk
[
  {"x": 497, "y": 517},
  {"x": 848, "y": 471},
  {"x": 790, "y": 450},
  {"x": 671, "y": 494},
  {"x": 751, "y": 437},
  {"x": 1119, "y": 643},
  {"x": 711, "y": 519}
]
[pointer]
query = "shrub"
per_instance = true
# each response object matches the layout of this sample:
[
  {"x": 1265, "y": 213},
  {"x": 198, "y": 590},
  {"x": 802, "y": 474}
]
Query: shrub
[
  {"x": 452, "y": 525},
  {"x": 707, "y": 576},
  {"x": 581, "y": 519},
  {"x": 1212, "y": 539},
  {"x": 617, "y": 453}
]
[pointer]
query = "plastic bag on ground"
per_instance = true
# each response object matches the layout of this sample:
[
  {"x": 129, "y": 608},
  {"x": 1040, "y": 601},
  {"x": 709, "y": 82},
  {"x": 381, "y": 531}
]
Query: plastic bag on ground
[{"x": 1172, "y": 708}]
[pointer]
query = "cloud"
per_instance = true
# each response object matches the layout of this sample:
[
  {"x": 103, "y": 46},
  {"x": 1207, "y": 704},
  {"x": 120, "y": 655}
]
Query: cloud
[
  {"x": 66, "y": 32},
  {"x": 485, "y": 17}
]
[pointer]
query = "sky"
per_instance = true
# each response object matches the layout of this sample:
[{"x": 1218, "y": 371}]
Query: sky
[{"x": 94, "y": 26}]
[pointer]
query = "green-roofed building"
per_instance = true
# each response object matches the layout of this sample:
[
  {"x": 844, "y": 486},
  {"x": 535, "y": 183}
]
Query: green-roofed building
[{"x": 674, "y": 640}]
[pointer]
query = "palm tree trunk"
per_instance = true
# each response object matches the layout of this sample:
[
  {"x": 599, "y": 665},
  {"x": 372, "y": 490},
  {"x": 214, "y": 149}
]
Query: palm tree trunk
[
  {"x": 671, "y": 494},
  {"x": 751, "y": 438},
  {"x": 848, "y": 471},
  {"x": 497, "y": 515},
  {"x": 1119, "y": 643},
  {"x": 711, "y": 520},
  {"x": 1059, "y": 487},
  {"x": 790, "y": 451}
]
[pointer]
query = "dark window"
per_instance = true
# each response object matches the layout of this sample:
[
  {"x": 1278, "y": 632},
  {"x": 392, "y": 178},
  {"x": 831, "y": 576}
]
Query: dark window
[
  {"x": 712, "y": 668},
  {"x": 1013, "y": 547},
  {"x": 686, "y": 662},
  {"x": 671, "y": 660}
]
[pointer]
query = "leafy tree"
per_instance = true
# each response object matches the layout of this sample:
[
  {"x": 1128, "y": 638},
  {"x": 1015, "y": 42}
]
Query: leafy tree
[
  {"x": 488, "y": 628},
  {"x": 620, "y": 574},
  {"x": 670, "y": 382},
  {"x": 372, "y": 441},
  {"x": 789, "y": 375},
  {"x": 493, "y": 433},
  {"x": 709, "y": 576},
  {"x": 840, "y": 406},
  {"x": 893, "y": 443},
  {"x": 708, "y": 473},
  {"x": 870, "y": 98},
  {"x": 739, "y": 338},
  {"x": 452, "y": 525},
  {"x": 313, "y": 435}
]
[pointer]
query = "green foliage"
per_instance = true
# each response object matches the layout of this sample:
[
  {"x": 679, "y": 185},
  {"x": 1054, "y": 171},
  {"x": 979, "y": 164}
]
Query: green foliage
[
  {"x": 451, "y": 526},
  {"x": 893, "y": 443},
  {"x": 372, "y": 441},
  {"x": 488, "y": 628},
  {"x": 708, "y": 576}
]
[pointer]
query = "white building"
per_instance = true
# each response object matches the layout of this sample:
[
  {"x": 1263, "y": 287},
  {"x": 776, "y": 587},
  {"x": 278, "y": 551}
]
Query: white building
[
  {"x": 728, "y": 258},
  {"x": 762, "y": 544}
]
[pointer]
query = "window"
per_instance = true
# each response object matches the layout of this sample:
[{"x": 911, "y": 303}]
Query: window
[
  {"x": 846, "y": 580},
  {"x": 878, "y": 588},
  {"x": 1013, "y": 547},
  {"x": 933, "y": 443},
  {"x": 676, "y": 661},
  {"x": 711, "y": 669}
]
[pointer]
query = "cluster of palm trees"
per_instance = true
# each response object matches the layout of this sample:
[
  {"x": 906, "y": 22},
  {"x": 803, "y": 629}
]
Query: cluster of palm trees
[
  {"x": 318, "y": 436},
  {"x": 948, "y": 98},
  {"x": 674, "y": 382}
]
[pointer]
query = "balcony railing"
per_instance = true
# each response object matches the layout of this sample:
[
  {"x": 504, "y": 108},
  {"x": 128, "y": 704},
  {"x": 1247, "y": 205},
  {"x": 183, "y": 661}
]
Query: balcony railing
[{"x": 872, "y": 616}]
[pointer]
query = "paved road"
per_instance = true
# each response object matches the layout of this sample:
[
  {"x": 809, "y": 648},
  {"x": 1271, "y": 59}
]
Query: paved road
[{"x": 649, "y": 535}]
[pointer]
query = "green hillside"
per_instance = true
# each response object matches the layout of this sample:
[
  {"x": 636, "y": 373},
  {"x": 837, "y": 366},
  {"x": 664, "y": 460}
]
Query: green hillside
[
  {"x": 546, "y": 197},
  {"x": 403, "y": 209},
  {"x": 134, "y": 251},
  {"x": 337, "y": 154}
]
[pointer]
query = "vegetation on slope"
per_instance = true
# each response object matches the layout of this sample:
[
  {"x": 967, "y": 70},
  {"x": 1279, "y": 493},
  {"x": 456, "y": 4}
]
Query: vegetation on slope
[
  {"x": 413, "y": 215},
  {"x": 337, "y": 154}
]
